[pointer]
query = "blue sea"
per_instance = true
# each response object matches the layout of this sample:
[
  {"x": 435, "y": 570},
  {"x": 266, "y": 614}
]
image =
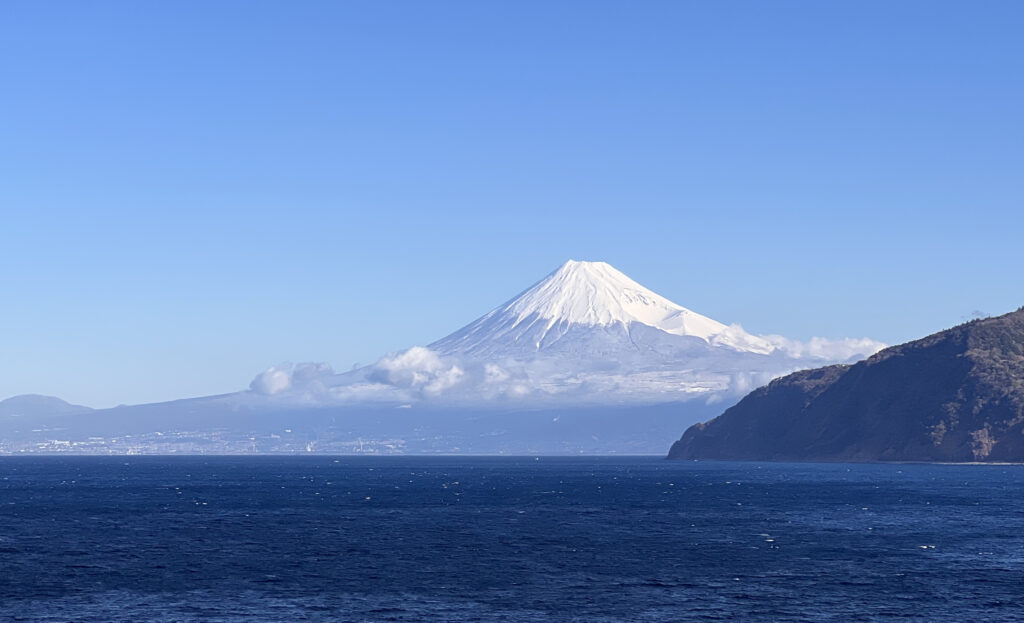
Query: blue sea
[{"x": 506, "y": 539}]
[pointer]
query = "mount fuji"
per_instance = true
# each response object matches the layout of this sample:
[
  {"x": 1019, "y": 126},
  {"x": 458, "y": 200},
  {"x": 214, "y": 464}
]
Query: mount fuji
[
  {"x": 585, "y": 334},
  {"x": 577, "y": 305},
  {"x": 585, "y": 360}
]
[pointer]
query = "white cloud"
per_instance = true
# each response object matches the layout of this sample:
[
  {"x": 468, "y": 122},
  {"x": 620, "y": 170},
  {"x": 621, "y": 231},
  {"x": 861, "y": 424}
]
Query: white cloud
[
  {"x": 742, "y": 383},
  {"x": 304, "y": 374},
  {"x": 444, "y": 380},
  {"x": 418, "y": 368},
  {"x": 819, "y": 348},
  {"x": 310, "y": 378},
  {"x": 420, "y": 373},
  {"x": 272, "y": 381},
  {"x": 495, "y": 374}
]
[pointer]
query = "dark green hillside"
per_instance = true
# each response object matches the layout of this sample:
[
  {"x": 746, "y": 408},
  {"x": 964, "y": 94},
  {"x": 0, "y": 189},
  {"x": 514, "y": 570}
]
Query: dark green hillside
[{"x": 957, "y": 395}]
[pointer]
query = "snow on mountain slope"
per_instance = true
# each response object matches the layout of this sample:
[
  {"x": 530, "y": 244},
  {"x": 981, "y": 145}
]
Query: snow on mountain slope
[
  {"x": 587, "y": 294},
  {"x": 585, "y": 334}
]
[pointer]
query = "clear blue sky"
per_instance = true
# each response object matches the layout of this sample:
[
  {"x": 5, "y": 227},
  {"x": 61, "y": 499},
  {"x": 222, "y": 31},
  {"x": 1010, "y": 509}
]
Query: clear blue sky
[{"x": 193, "y": 191}]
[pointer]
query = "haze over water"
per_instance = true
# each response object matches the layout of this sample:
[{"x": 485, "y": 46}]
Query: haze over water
[{"x": 506, "y": 539}]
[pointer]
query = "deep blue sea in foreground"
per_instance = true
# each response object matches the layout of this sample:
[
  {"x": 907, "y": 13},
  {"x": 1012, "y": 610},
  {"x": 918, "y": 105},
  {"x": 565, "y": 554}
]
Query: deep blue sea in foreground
[{"x": 506, "y": 539}]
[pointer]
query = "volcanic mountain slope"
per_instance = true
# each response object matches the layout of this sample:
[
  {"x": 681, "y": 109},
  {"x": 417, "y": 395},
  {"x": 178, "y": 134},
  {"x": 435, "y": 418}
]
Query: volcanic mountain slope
[
  {"x": 588, "y": 334},
  {"x": 584, "y": 361},
  {"x": 580, "y": 301},
  {"x": 957, "y": 395}
]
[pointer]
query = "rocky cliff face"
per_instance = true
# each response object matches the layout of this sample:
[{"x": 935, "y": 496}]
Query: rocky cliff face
[{"x": 957, "y": 395}]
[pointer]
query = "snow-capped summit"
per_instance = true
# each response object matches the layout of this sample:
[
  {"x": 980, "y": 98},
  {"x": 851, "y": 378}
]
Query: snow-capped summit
[{"x": 594, "y": 295}]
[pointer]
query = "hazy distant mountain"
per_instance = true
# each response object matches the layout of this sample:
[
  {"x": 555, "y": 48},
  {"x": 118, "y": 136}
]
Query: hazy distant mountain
[
  {"x": 957, "y": 395},
  {"x": 586, "y": 360},
  {"x": 34, "y": 405}
]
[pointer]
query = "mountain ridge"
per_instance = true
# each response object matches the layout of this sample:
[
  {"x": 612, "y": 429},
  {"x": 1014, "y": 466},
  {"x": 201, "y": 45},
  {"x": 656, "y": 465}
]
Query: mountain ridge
[
  {"x": 33, "y": 405},
  {"x": 956, "y": 395}
]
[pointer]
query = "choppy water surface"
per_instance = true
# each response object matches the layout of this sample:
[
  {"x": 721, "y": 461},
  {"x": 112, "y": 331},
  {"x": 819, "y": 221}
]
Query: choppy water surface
[{"x": 506, "y": 539}]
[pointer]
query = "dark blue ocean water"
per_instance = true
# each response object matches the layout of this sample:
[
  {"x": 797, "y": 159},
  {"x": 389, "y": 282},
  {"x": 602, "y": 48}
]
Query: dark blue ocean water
[{"x": 506, "y": 539}]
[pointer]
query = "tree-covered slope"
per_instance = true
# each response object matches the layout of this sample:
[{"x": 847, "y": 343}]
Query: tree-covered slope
[{"x": 957, "y": 395}]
